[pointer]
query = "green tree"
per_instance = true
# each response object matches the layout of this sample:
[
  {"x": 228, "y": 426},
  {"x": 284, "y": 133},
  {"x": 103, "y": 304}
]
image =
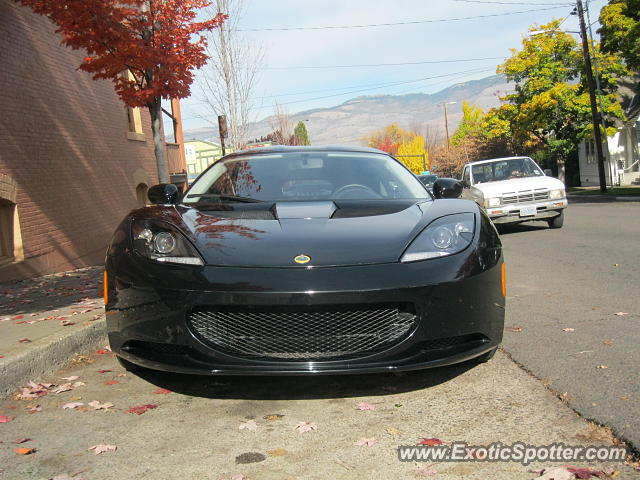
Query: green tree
[
  {"x": 620, "y": 30},
  {"x": 550, "y": 105},
  {"x": 470, "y": 125},
  {"x": 301, "y": 134}
]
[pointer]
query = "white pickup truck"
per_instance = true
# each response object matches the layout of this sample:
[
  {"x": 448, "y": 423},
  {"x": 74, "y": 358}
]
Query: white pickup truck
[{"x": 515, "y": 189}]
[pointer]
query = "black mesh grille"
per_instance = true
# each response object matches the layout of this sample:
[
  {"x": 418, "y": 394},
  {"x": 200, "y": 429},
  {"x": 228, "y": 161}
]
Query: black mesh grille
[{"x": 303, "y": 333}]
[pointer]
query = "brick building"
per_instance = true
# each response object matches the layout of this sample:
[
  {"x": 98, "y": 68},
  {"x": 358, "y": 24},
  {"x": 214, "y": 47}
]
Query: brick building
[{"x": 73, "y": 159}]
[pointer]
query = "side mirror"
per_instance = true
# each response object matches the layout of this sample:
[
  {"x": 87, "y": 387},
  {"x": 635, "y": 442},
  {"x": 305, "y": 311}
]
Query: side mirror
[
  {"x": 164, "y": 194},
  {"x": 447, "y": 188},
  {"x": 548, "y": 172}
]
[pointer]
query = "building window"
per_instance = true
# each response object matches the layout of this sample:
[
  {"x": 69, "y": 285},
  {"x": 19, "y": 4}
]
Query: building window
[
  {"x": 134, "y": 118},
  {"x": 7, "y": 211},
  {"x": 141, "y": 195}
]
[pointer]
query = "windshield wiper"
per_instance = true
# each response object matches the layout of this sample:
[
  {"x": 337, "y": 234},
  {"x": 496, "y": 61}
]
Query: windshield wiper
[{"x": 232, "y": 198}]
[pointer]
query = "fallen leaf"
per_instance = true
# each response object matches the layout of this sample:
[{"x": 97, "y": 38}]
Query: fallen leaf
[
  {"x": 272, "y": 417},
  {"x": 365, "y": 406},
  {"x": 608, "y": 343},
  {"x": 558, "y": 473},
  {"x": 98, "y": 449},
  {"x": 430, "y": 441},
  {"x": 18, "y": 317},
  {"x": 278, "y": 452},
  {"x": 34, "y": 409},
  {"x": 111, "y": 382},
  {"x": 621, "y": 314},
  {"x": 393, "y": 431},
  {"x": 78, "y": 384},
  {"x": 425, "y": 472},
  {"x": 66, "y": 323},
  {"x": 513, "y": 329},
  {"x": 568, "y": 329},
  {"x": 366, "y": 442},
  {"x": 65, "y": 387},
  {"x": 24, "y": 451},
  {"x": 140, "y": 409},
  {"x": 105, "y": 370},
  {"x": 162, "y": 391},
  {"x": 72, "y": 405},
  {"x": 304, "y": 427},
  {"x": 601, "y": 366},
  {"x": 5, "y": 419},
  {"x": 96, "y": 405},
  {"x": 102, "y": 351},
  {"x": 250, "y": 425},
  {"x": 21, "y": 440},
  {"x": 397, "y": 405},
  {"x": 24, "y": 340},
  {"x": 71, "y": 378}
]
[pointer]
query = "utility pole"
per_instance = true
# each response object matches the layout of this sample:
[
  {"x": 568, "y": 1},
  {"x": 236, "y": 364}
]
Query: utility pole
[
  {"x": 446, "y": 121},
  {"x": 592, "y": 97}
]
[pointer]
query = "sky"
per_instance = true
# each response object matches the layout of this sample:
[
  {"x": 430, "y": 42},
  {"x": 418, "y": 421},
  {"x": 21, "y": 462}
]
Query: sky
[{"x": 419, "y": 36}]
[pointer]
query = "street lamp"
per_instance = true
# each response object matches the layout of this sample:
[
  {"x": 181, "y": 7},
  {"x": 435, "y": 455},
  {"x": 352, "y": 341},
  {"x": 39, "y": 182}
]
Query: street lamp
[{"x": 446, "y": 120}]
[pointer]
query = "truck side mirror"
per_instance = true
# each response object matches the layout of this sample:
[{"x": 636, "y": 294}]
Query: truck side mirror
[{"x": 548, "y": 172}]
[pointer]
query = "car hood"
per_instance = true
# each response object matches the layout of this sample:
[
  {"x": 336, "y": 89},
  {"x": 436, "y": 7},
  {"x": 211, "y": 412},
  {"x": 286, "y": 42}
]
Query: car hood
[
  {"x": 497, "y": 189},
  {"x": 331, "y": 234}
]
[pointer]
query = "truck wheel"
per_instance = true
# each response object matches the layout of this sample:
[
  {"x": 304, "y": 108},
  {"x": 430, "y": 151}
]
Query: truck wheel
[{"x": 556, "y": 222}]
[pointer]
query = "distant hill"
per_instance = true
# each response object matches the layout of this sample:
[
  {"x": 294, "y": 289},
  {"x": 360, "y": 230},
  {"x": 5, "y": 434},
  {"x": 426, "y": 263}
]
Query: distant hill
[{"x": 350, "y": 121}]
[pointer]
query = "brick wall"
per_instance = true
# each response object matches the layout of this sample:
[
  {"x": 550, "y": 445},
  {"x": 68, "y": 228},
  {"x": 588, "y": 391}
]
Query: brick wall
[{"x": 63, "y": 143}]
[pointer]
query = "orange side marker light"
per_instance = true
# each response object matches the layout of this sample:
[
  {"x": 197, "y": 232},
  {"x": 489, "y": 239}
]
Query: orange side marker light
[{"x": 106, "y": 287}]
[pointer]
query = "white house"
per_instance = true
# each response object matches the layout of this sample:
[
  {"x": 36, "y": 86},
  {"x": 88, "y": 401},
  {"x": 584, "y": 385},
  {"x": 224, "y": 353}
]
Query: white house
[{"x": 622, "y": 165}]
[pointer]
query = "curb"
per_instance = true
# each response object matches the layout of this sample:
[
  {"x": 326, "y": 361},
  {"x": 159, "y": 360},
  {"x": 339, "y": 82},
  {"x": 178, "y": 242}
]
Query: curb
[
  {"x": 48, "y": 355},
  {"x": 599, "y": 199}
]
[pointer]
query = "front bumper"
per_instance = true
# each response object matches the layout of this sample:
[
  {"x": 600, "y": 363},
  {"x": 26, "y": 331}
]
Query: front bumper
[
  {"x": 457, "y": 301},
  {"x": 513, "y": 213}
]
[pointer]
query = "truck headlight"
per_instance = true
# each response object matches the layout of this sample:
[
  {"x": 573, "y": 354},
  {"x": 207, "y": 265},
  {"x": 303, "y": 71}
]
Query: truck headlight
[
  {"x": 492, "y": 202},
  {"x": 442, "y": 237},
  {"x": 556, "y": 194}
]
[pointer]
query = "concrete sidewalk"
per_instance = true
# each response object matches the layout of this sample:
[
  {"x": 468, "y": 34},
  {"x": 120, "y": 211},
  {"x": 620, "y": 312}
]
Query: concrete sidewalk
[{"x": 45, "y": 320}]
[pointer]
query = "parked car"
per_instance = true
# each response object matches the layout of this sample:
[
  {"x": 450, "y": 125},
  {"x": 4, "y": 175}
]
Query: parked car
[
  {"x": 305, "y": 260},
  {"x": 515, "y": 189},
  {"x": 428, "y": 180}
]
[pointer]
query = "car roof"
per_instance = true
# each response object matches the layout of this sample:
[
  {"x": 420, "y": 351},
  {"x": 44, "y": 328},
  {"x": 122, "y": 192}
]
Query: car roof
[
  {"x": 498, "y": 159},
  {"x": 305, "y": 149}
]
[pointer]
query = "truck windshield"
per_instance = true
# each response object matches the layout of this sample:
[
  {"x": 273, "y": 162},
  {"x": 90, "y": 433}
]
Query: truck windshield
[{"x": 505, "y": 170}]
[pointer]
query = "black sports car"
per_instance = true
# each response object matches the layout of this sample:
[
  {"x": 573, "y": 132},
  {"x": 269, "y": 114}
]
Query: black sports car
[{"x": 299, "y": 260}]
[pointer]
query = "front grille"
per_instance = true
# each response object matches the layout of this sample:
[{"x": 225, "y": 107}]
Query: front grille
[
  {"x": 525, "y": 196},
  {"x": 303, "y": 333}
]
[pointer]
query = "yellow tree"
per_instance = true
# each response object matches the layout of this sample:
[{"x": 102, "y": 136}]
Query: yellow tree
[{"x": 413, "y": 154}]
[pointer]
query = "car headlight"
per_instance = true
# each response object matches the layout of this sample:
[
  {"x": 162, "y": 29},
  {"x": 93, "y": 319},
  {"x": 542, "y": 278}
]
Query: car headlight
[
  {"x": 492, "y": 202},
  {"x": 556, "y": 194},
  {"x": 442, "y": 237},
  {"x": 162, "y": 242}
]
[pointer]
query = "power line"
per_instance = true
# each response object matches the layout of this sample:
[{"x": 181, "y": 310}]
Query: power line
[
  {"x": 514, "y": 3},
  {"x": 415, "y": 22},
  {"x": 385, "y": 64}
]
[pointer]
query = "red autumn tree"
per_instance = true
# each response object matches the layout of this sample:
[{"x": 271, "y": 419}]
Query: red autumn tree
[{"x": 147, "y": 48}]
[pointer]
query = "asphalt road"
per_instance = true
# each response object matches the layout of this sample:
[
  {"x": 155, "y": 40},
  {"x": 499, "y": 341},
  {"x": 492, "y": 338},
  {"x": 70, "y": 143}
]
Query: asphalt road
[{"x": 579, "y": 277}]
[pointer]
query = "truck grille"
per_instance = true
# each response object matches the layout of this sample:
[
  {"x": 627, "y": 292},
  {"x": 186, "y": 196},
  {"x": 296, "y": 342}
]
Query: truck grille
[
  {"x": 302, "y": 333},
  {"x": 525, "y": 196}
]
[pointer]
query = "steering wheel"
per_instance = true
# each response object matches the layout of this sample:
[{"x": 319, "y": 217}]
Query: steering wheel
[{"x": 354, "y": 187}]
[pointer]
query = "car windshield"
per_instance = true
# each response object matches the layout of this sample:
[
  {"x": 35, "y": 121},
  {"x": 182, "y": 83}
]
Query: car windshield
[
  {"x": 505, "y": 170},
  {"x": 303, "y": 176}
]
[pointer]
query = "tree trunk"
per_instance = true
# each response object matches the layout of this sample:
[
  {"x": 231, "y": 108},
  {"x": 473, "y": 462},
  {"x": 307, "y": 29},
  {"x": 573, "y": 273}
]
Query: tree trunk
[{"x": 155, "y": 110}]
